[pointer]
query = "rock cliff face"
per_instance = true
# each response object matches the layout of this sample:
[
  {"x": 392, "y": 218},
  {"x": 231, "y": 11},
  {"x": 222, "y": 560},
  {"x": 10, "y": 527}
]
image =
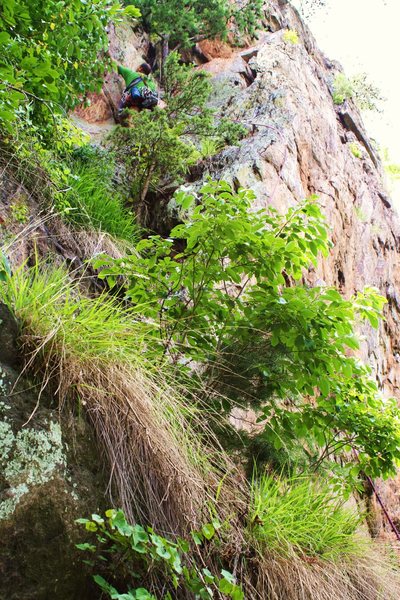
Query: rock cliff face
[
  {"x": 299, "y": 143},
  {"x": 49, "y": 476}
]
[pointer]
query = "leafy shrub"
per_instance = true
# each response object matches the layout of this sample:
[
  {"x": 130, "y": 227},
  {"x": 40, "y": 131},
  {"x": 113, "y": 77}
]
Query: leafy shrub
[
  {"x": 142, "y": 548},
  {"x": 302, "y": 516},
  {"x": 152, "y": 152},
  {"x": 52, "y": 53},
  {"x": 342, "y": 89},
  {"x": 226, "y": 294},
  {"x": 366, "y": 95}
]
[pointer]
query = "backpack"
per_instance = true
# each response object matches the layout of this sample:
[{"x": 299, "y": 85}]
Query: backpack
[{"x": 149, "y": 99}]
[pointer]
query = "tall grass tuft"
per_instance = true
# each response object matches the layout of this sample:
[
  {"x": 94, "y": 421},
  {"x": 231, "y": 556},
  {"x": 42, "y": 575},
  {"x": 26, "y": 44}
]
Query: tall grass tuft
[
  {"x": 309, "y": 545},
  {"x": 96, "y": 351},
  {"x": 301, "y": 516},
  {"x": 94, "y": 203}
]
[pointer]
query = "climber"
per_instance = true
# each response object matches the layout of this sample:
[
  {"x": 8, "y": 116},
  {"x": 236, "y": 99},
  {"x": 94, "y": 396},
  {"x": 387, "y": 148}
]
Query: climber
[{"x": 141, "y": 89}]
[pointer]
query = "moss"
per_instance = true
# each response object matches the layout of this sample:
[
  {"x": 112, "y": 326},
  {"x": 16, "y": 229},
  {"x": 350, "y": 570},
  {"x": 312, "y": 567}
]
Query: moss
[{"x": 291, "y": 37}]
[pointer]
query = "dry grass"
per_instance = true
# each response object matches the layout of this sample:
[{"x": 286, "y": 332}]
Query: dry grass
[
  {"x": 92, "y": 350},
  {"x": 363, "y": 578}
]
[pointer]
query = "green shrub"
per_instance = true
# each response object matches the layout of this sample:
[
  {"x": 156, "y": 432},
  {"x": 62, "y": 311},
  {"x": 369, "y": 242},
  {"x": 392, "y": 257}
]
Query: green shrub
[
  {"x": 302, "y": 516},
  {"x": 142, "y": 549},
  {"x": 342, "y": 89},
  {"x": 226, "y": 294},
  {"x": 366, "y": 95},
  {"x": 152, "y": 152}
]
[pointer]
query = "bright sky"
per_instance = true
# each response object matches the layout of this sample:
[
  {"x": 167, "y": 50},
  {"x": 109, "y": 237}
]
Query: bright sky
[{"x": 364, "y": 36}]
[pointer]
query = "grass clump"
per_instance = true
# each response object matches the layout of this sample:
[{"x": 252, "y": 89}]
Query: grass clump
[
  {"x": 308, "y": 545},
  {"x": 98, "y": 352},
  {"x": 300, "y": 516},
  {"x": 93, "y": 202}
]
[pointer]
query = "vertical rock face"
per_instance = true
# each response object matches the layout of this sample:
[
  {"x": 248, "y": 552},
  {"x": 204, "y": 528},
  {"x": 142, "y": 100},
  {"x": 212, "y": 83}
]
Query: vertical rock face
[{"x": 299, "y": 144}]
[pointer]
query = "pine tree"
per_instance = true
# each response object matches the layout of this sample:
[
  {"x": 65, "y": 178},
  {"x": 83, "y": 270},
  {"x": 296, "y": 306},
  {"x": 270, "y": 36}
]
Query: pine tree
[{"x": 183, "y": 22}]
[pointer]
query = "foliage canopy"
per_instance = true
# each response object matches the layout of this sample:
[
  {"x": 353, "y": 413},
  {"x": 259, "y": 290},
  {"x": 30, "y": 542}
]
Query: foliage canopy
[
  {"x": 52, "y": 52},
  {"x": 180, "y": 23}
]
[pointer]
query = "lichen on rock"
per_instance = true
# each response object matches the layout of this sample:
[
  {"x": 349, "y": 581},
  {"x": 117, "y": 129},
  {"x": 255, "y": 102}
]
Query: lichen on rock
[{"x": 28, "y": 458}]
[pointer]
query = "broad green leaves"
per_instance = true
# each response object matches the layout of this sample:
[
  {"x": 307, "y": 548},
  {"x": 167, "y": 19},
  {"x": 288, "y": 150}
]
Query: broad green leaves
[
  {"x": 172, "y": 560},
  {"x": 52, "y": 53},
  {"x": 228, "y": 300}
]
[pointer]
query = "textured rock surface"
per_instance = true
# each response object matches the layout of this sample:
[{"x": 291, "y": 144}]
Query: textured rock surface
[
  {"x": 299, "y": 143},
  {"x": 49, "y": 476},
  {"x": 128, "y": 48}
]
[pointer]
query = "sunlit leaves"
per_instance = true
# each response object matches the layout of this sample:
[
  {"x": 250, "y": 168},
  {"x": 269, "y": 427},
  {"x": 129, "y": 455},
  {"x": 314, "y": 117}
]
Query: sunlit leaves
[
  {"x": 229, "y": 299},
  {"x": 52, "y": 52}
]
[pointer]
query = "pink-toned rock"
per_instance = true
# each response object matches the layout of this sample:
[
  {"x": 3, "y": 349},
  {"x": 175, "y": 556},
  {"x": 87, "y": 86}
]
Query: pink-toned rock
[{"x": 127, "y": 47}]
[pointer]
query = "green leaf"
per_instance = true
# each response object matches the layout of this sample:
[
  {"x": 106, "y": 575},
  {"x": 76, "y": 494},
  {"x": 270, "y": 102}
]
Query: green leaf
[
  {"x": 324, "y": 385},
  {"x": 208, "y": 531},
  {"x": 86, "y": 547},
  {"x": 225, "y": 586},
  {"x": 4, "y": 37},
  {"x": 228, "y": 576}
]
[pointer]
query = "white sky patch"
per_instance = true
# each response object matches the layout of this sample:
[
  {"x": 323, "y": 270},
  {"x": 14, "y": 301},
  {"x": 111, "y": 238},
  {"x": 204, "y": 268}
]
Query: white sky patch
[{"x": 364, "y": 36}]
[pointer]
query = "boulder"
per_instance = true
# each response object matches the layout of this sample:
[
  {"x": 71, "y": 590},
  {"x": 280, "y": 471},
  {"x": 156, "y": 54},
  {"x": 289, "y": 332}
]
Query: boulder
[{"x": 50, "y": 475}]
